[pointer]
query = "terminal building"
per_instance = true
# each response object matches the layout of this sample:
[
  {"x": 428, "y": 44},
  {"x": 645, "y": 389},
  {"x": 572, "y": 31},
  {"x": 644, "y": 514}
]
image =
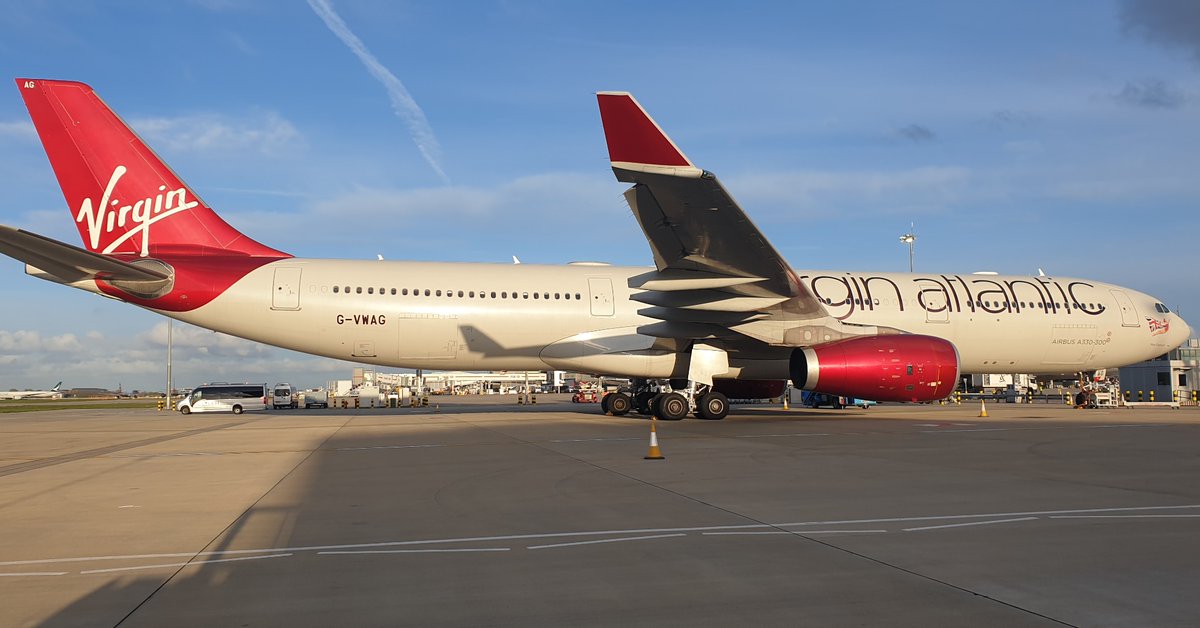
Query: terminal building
[{"x": 1168, "y": 378}]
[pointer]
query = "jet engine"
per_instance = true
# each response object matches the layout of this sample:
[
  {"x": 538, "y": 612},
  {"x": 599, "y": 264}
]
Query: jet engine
[{"x": 879, "y": 368}]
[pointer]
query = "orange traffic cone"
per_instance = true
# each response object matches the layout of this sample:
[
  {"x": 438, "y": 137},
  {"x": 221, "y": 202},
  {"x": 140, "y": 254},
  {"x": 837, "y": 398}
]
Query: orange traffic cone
[
  {"x": 982, "y": 410},
  {"x": 655, "y": 452}
]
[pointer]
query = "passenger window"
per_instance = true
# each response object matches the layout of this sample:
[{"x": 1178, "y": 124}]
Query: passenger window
[
  {"x": 393, "y": 291},
  {"x": 370, "y": 291},
  {"x": 358, "y": 290},
  {"x": 471, "y": 294},
  {"x": 335, "y": 289},
  {"x": 557, "y": 296},
  {"x": 578, "y": 297},
  {"x": 493, "y": 295},
  {"x": 503, "y": 295},
  {"x": 427, "y": 292},
  {"x": 460, "y": 293}
]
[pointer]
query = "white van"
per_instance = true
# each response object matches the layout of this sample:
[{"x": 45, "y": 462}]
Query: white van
[
  {"x": 282, "y": 397},
  {"x": 235, "y": 398}
]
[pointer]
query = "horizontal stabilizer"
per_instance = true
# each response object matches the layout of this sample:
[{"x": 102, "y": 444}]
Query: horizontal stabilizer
[{"x": 70, "y": 263}]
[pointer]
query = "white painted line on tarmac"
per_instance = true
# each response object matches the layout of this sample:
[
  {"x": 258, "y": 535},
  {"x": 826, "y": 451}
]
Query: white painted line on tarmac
[
  {"x": 552, "y": 535},
  {"x": 1056, "y": 427},
  {"x": 972, "y": 523},
  {"x": 779, "y": 435},
  {"x": 620, "y": 540},
  {"x": 33, "y": 573},
  {"x": 190, "y": 564},
  {"x": 592, "y": 440},
  {"x": 794, "y": 533},
  {"x": 415, "y": 551},
  {"x": 1124, "y": 516},
  {"x": 388, "y": 447},
  {"x": 980, "y": 516}
]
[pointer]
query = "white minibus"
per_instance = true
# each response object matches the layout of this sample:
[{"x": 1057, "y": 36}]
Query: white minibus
[{"x": 235, "y": 398}]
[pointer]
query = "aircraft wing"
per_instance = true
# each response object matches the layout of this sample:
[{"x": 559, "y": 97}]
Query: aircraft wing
[
  {"x": 69, "y": 264},
  {"x": 709, "y": 255}
]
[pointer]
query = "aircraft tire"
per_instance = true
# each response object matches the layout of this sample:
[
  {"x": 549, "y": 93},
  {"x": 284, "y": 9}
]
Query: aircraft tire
[
  {"x": 604, "y": 405},
  {"x": 619, "y": 404},
  {"x": 670, "y": 407},
  {"x": 713, "y": 407}
]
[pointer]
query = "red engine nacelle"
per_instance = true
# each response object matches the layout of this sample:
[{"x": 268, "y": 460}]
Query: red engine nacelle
[
  {"x": 879, "y": 368},
  {"x": 749, "y": 388}
]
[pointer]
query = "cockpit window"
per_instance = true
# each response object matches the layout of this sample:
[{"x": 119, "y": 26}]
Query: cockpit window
[{"x": 1161, "y": 308}]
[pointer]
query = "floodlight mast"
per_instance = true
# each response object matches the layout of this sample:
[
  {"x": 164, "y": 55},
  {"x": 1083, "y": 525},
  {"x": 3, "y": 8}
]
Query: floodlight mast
[{"x": 909, "y": 238}]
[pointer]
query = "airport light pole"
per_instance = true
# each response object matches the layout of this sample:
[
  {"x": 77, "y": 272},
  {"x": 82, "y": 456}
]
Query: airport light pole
[{"x": 909, "y": 238}]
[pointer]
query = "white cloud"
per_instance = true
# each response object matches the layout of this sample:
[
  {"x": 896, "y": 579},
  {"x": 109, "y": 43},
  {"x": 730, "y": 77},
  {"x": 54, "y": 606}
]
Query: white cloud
[
  {"x": 267, "y": 133},
  {"x": 62, "y": 343},
  {"x": 19, "y": 129},
  {"x": 20, "y": 341},
  {"x": 402, "y": 102}
]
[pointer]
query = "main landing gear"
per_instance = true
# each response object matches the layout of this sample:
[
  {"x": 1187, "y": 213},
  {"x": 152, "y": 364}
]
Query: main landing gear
[{"x": 669, "y": 401}]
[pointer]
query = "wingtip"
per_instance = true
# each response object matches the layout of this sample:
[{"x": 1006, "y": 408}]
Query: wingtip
[{"x": 635, "y": 141}]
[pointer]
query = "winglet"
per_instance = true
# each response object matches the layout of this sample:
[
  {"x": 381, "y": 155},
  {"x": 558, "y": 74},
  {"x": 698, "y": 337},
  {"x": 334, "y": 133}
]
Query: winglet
[{"x": 636, "y": 142}]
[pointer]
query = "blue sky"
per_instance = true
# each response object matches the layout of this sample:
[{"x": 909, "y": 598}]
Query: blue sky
[{"x": 1016, "y": 136}]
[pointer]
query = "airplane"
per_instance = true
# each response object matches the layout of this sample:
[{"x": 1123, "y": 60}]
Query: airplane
[
  {"x": 53, "y": 393},
  {"x": 720, "y": 314}
]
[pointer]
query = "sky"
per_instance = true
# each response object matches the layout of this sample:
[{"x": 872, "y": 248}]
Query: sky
[{"x": 1014, "y": 135}]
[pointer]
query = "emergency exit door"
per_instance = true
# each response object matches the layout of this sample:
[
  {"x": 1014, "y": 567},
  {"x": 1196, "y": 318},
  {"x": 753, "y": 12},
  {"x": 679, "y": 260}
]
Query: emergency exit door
[
  {"x": 602, "y": 295},
  {"x": 285, "y": 291}
]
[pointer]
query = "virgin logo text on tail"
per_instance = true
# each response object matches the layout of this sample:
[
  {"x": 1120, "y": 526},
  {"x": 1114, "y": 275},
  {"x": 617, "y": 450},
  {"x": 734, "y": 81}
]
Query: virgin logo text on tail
[{"x": 106, "y": 217}]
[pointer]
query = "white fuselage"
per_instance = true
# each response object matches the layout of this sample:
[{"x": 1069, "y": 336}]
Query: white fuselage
[
  {"x": 31, "y": 394},
  {"x": 580, "y": 317}
]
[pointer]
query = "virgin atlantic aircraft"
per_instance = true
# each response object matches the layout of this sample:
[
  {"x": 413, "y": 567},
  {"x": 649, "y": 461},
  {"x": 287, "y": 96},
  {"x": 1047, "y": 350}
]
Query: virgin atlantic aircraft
[{"x": 720, "y": 311}]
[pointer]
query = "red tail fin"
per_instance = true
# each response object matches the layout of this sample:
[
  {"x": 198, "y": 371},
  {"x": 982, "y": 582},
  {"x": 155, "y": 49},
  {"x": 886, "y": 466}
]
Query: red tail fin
[{"x": 124, "y": 198}]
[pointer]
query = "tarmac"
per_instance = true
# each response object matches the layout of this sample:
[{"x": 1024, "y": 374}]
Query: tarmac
[{"x": 479, "y": 512}]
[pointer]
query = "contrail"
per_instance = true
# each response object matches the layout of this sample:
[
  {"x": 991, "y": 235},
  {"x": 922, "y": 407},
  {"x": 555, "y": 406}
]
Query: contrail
[{"x": 402, "y": 102}]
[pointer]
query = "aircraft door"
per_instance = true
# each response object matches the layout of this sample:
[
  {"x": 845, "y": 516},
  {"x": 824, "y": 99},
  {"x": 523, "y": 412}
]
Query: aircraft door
[
  {"x": 1129, "y": 315},
  {"x": 937, "y": 309},
  {"x": 602, "y": 296},
  {"x": 285, "y": 290}
]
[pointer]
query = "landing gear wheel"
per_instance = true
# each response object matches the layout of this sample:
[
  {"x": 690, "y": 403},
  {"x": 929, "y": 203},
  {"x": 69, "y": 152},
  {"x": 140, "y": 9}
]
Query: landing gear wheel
[
  {"x": 713, "y": 407},
  {"x": 604, "y": 404},
  {"x": 619, "y": 404},
  {"x": 643, "y": 402},
  {"x": 671, "y": 407}
]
